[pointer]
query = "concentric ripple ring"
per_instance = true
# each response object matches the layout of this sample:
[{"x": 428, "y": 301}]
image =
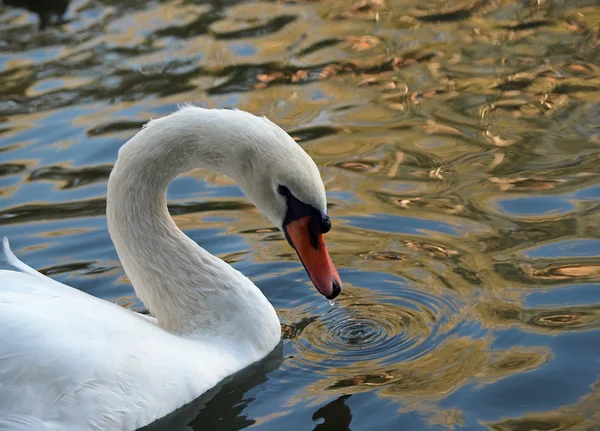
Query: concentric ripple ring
[{"x": 364, "y": 330}]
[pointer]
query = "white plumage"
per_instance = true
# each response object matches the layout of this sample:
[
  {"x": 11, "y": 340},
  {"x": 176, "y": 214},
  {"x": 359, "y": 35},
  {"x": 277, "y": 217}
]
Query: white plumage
[{"x": 73, "y": 362}]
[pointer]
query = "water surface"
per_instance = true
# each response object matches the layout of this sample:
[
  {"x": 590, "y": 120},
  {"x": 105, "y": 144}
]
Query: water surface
[{"x": 459, "y": 143}]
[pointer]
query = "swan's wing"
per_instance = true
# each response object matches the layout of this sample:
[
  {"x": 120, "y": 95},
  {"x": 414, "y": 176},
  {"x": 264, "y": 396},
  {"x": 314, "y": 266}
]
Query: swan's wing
[
  {"x": 57, "y": 343},
  {"x": 71, "y": 359}
]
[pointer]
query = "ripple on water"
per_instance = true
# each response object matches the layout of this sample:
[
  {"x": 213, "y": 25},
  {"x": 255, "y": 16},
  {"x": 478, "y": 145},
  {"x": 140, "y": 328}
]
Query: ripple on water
[{"x": 365, "y": 332}]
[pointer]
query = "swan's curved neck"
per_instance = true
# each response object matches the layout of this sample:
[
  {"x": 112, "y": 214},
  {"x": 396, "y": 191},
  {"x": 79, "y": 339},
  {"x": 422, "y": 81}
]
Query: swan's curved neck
[{"x": 189, "y": 290}]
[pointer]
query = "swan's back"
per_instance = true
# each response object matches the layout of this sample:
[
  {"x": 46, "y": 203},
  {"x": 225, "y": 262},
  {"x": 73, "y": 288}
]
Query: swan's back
[{"x": 70, "y": 361}]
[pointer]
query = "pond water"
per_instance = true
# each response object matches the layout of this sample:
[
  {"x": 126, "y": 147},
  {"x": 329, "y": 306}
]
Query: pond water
[{"x": 459, "y": 142}]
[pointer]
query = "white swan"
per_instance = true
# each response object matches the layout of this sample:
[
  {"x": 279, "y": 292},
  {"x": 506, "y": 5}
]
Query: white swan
[{"x": 73, "y": 362}]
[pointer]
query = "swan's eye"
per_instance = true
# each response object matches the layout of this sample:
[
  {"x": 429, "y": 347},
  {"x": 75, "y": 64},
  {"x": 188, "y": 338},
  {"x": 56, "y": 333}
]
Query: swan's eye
[{"x": 284, "y": 191}]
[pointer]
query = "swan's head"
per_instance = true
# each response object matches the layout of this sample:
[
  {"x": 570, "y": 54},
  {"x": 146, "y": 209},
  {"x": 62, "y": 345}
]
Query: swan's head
[{"x": 282, "y": 180}]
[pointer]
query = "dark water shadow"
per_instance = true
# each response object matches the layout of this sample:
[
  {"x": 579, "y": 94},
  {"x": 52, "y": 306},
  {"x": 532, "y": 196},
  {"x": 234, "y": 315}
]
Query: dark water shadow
[
  {"x": 97, "y": 207},
  {"x": 50, "y": 12},
  {"x": 336, "y": 415}
]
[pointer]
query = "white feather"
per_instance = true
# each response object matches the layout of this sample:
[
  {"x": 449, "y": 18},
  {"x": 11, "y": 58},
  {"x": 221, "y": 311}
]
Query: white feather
[{"x": 70, "y": 361}]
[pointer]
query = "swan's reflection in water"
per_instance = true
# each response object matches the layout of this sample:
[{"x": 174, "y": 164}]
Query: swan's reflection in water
[
  {"x": 336, "y": 415},
  {"x": 49, "y": 11}
]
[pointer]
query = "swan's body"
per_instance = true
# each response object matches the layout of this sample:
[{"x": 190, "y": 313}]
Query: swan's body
[{"x": 73, "y": 362}]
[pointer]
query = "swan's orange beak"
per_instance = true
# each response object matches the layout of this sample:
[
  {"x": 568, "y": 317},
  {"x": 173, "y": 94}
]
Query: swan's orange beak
[{"x": 312, "y": 252}]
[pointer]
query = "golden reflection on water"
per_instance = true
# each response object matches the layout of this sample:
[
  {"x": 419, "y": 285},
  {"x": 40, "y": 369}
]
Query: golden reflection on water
[{"x": 458, "y": 143}]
